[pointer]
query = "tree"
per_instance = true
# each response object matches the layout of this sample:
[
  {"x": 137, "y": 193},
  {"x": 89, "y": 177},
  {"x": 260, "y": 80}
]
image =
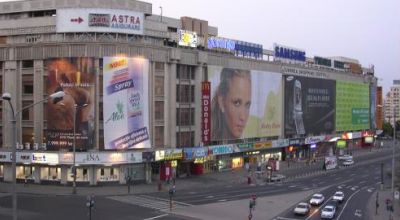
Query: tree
[{"x": 387, "y": 129}]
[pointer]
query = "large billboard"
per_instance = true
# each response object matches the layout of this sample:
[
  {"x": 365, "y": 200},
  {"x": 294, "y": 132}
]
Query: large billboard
[
  {"x": 126, "y": 103},
  {"x": 76, "y": 77},
  {"x": 99, "y": 20},
  {"x": 352, "y": 106},
  {"x": 309, "y": 106},
  {"x": 245, "y": 103}
]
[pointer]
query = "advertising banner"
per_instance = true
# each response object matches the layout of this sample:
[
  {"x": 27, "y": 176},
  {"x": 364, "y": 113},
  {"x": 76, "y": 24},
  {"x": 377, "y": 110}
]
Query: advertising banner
[
  {"x": 352, "y": 106},
  {"x": 206, "y": 112},
  {"x": 187, "y": 38},
  {"x": 245, "y": 103},
  {"x": 330, "y": 162},
  {"x": 309, "y": 106},
  {"x": 99, "y": 20},
  {"x": 126, "y": 103},
  {"x": 373, "y": 104},
  {"x": 76, "y": 77}
]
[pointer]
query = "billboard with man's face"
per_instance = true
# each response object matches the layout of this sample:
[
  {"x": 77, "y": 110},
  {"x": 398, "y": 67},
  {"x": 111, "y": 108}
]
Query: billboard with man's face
[
  {"x": 126, "y": 103},
  {"x": 76, "y": 77},
  {"x": 244, "y": 103},
  {"x": 309, "y": 106},
  {"x": 352, "y": 106}
]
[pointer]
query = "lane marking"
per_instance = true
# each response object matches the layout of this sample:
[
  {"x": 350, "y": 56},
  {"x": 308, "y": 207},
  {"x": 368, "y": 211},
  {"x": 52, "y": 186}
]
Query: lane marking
[
  {"x": 347, "y": 201},
  {"x": 156, "y": 217}
]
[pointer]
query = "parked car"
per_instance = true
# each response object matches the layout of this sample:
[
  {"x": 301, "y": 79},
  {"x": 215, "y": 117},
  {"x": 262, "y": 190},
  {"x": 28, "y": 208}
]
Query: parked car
[
  {"x": 328, "y": 212},
  {"x": 276, "y": 177},
  {"x": 302, "y": 209},
  {"x": 345, "y": 157},
  {"x": 348, "y": 162},
  {"x": 338, "y": 196},
  {"x": 317, "y": 199}
]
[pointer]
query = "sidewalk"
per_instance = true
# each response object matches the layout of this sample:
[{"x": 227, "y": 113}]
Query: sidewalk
[{"x": 383, "y": 213}]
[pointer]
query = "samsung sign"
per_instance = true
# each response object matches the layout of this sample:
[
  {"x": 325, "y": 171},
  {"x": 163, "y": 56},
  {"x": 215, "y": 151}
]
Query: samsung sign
[{"x": 286, "y": 53}]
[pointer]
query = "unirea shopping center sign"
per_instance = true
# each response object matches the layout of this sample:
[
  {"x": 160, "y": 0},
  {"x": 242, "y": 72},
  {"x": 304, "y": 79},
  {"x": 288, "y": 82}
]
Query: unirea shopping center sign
[{"x": 99, "y": 20}]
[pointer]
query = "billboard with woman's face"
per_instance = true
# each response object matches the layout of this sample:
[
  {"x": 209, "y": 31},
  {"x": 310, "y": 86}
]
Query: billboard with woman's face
[
  {"x": 309, "y": 106},
  {"x": 75, "y": 111},
  {"x": 244, "y": 103}
]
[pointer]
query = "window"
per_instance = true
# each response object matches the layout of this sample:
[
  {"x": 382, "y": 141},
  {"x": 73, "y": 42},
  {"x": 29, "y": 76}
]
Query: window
[
  {"x": 112, "y": 171},
  {"x": 185, "y": 72},
  {"x": 185, "y": 93},
  {"x": 28, "y": 112},
  {"x": 159, "y": 67},
  {"x": 159, "y": 86},
  {"x": 28, "y": 89},
  {"x": 159, "y": 110},
  {"x": 185, "y": 116},
  {"x": 185, "y": 139},
  {"x": 159, "y": 136},
  {"x": 27, "y": 64}
]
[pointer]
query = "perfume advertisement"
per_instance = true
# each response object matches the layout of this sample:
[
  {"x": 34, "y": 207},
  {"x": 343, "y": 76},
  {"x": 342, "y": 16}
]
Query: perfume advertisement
[
  {"x": 309, "y": 106},
  {"x": 125, "y": 103},
  {"x": 70, "y": 119}
]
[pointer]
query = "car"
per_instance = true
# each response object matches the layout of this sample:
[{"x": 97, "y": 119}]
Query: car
[
  {"x": 338, "y": 196},
  {"x": 328, "y": 212},
  {"x": 276, "y": 177},
  {"x": 348, "y": 162},
  {"x": 333, "y": 203},
  {"x": 317, "y": 199},
  {"x": 345, "y": 157},
  {"x": 302, "y": 209}
]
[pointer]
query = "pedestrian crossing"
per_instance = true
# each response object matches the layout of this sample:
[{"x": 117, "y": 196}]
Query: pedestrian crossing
[{"x": 149, "y": 202}]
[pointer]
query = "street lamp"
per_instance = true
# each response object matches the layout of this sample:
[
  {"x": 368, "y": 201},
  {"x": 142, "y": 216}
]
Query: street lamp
[
  {"x": 76, "y": 106},
  {"x": 7, "y": 96}
]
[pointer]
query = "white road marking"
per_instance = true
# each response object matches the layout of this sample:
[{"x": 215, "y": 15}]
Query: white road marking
[
  {"x": 209, "y": 197},
  {"x": 344, "y": 207},
  {"x": 222, "y": 200},
  {"x": 358, "y": 213},
  {"x": 363, "y": 182},
  {"x": 155, "y": 217}
]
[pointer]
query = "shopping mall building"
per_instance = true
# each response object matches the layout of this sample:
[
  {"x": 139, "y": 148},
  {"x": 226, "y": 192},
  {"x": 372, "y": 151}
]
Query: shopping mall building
[{"x": 147, "y": 96}]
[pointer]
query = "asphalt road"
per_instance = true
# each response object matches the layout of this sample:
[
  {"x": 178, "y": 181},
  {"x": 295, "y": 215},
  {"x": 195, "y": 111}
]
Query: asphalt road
[{"x": 358, "y": 182}]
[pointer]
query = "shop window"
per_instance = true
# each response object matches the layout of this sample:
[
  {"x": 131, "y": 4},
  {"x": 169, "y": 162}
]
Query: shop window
[
  {"x": 112, "y": 171},
  {"x": 102, "y": 172},
  {"x": 84, "y": 172}
]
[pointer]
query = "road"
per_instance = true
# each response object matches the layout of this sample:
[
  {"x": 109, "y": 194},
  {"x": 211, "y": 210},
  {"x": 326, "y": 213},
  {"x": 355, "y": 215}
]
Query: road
[{"x": 358, "y": 182}]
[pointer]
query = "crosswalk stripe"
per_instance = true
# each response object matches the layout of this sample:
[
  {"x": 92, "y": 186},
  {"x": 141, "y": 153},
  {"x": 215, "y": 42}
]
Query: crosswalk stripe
[{"x": 148, "y": 201}]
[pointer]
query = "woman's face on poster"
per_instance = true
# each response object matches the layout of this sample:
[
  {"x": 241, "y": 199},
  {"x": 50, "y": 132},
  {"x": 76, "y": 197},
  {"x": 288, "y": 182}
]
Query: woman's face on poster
[{"x": 236, "y": 105}]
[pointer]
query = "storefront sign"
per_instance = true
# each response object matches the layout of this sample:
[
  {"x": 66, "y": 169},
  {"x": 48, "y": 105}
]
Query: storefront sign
[
  {"x": 187, "y": 38},
  {"x": 206, "y": 112},
  {"x": 314, "y": 140},
  {"x": 245, "y": 146},
  {"x": 99, "y": 20},
  {"x": 23, "y": 157},
  {"x": 221, "y": 149},
  {"x": 287, "y": 53},
  {"x": 247, "y": 49},
  {"x": 296, "y": 141},
  {"x": 148, "y": 156},
  {"x": 263, "y": 145},
  {"x": 5, "y": 156},
  {"x": 195, "y": 152},
  {"x": 280, "y": 143},
  {"x": 45, "y": 158},
  {"x": 173, "y": 154},
  {"x": 134, "y": 157},
  {"x": 341, "y": 144}
]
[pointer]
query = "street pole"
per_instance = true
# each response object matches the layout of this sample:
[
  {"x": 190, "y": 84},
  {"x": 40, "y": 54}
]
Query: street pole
[
  {"x": 393, "y": 151},
  {"x": 74, "y": 152},
  {"x": 7, "y": 97}
]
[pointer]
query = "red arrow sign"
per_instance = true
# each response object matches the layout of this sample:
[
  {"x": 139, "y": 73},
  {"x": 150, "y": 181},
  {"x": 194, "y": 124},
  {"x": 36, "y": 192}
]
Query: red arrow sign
[{"x": 79, "y": 20}]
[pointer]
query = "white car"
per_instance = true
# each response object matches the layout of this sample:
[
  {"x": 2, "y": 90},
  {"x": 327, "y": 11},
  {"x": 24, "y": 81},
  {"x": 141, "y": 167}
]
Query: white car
[
  {"x": 345, "y": 157},
  {"x": 277, "y": 177},
  {"x": 317, "y": 199},
  {"x": 328, "y": 212},
  {"x": 338, "y": 196},
  {"x": 302, "y": 208},
  {"x": 348, "y": 162}
]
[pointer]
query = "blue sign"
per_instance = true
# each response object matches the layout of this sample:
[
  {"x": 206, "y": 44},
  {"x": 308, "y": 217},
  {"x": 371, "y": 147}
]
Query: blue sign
[
  {"x": 195, "y": 152},
  {"x": 288, "y": 53},
  {"x": 221, "y": 43},
  {"x": 246, "y": 49},
  {"x": 222, "y": 149}
]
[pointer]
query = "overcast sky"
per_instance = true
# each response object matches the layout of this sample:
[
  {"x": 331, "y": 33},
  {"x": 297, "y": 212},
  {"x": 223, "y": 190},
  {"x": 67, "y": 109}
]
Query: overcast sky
[{"x": 366, "y": 30}]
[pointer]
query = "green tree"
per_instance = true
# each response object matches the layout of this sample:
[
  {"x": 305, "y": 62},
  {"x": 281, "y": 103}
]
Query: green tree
[{"x": 387, "y": 129}]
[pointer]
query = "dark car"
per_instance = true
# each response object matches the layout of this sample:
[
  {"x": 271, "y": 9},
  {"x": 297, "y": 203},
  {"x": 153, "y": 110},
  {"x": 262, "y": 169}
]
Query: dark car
[{"x": 333, "y": 203}]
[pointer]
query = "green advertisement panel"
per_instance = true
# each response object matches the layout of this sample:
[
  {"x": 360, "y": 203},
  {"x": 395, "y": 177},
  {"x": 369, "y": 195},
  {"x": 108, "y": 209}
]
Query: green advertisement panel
[{"x": 352, "y": 106}]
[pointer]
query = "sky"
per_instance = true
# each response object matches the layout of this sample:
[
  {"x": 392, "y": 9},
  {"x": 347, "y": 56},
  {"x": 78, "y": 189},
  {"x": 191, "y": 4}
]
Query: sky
[{"x": 366, "y": 30}]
